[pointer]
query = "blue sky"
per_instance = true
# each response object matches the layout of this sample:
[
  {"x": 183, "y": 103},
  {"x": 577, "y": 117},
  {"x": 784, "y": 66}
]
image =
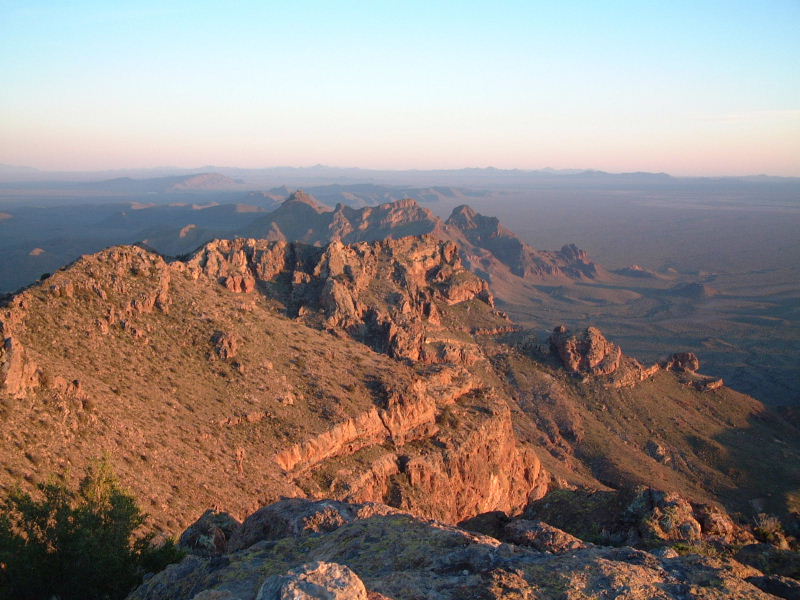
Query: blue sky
[{"x": 683, "y": 87}]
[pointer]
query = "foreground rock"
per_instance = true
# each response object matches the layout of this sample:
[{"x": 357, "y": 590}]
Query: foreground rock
[
  {"x": 541, "y": 536},
  {"x": 314, "y": 581},
  {"x": 210, "y": 534},
  {"x": 401, "y": 557},
  {"x": 642, "y": 516}
]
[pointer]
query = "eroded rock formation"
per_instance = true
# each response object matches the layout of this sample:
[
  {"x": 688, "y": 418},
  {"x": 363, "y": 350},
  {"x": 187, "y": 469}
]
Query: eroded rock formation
[
  {"x": 390, "y": 294},
  {"x": 590, "y": 353},
  {"x": 683, "y": 361}
]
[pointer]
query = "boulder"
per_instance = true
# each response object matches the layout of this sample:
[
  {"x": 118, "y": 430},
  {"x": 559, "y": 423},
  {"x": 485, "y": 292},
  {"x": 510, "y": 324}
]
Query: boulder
[
  {"x": 541, "y": 536},
  {"x": 588, "y": 352},
  {"x": 314, "y": 581},
  {"x": 226, "y": 345},
  {"x": 209, "y": 535},
  {"x": 782, "y": 587},
  {"x": 299, "y": 516}
]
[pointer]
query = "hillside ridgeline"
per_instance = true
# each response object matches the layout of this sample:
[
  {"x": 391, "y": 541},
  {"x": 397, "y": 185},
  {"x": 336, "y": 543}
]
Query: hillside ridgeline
[{"x": 376, "y": 371}]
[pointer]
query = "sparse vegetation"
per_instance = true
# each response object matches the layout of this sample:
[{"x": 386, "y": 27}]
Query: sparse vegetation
[
  {"x": 768, "y": 529},
  {"x": 701, "y": 548},
  {"x": 80, "y": 544}
]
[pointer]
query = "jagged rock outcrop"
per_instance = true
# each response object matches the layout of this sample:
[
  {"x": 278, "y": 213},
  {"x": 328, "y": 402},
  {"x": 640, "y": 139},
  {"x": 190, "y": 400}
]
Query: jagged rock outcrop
[
  {"x": 386, "y": 221},
  {"x": 390, "y": 295},
  {"x": 401, "y": 416},
  {"x": 473, "y": 446},
  {"x": 708, "y": 384},
  {"x": 590, "y": 353},
  {"x": 442, "y": 459},
  {"x": 486, "y": 233},
  {"x": 485, "y": 244},
  {"x": 576, "y": 262},
  {"x": 683, "y": 361},
  {"x": 19, "y": 374},
  {"x": 687, "y": 365},
  {"x": 401, "y": 557},
  {"x": 225, "y": 344}
]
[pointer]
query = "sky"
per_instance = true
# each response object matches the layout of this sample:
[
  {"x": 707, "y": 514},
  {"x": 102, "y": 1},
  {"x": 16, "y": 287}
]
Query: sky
[{"x": 689, "y": 88}]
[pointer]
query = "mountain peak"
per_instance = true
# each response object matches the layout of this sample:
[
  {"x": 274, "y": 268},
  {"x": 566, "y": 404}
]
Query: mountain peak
[
  {"x": 463, "y": 216},
  {"x": 404, "y": 203},
  {"x": 301, "y": 197}
]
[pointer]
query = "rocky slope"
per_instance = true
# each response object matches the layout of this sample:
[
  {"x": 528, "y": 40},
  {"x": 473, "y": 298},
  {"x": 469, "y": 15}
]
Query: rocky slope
[
  {"x": 332, "y": 550},
  {"x": 242, "y": 373}
]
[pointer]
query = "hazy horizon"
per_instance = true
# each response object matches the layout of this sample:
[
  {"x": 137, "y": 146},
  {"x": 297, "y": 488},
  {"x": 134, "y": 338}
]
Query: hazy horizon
[
  {"x": 691, "y": 89},
  {"x": 166, "y": 170}
]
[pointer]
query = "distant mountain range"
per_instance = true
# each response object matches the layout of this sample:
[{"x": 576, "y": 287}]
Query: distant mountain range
[{"x": 486, "y": 176}]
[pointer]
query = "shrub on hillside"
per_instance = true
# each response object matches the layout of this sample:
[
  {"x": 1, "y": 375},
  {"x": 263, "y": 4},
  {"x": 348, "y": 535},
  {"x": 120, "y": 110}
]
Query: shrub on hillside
[
  {"x": 75, "y": 544},
  {"x": 768, "y": 529}
]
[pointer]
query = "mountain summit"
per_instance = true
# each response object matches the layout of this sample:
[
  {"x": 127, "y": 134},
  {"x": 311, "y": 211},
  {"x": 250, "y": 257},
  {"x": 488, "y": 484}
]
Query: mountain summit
[{"x": 488, "y": 247}]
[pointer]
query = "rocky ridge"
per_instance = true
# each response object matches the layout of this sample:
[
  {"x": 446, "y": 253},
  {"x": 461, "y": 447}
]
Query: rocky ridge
[
  {"x": 523, "y": 260},
  {"x": 411, "y": 433},
  {"x": 487, "y": 247},
  {"x": 449, "y": 407},
  {"x": 359, "y": 551},
  {"x": 389, "y": 295}
]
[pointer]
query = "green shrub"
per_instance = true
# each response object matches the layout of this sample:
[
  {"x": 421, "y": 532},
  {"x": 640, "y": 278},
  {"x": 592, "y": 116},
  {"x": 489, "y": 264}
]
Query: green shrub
[{"x": 76, "y": 544}]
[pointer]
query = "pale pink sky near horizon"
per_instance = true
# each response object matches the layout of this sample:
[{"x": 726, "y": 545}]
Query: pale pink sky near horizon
[{"x": 693, "y": 88}]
